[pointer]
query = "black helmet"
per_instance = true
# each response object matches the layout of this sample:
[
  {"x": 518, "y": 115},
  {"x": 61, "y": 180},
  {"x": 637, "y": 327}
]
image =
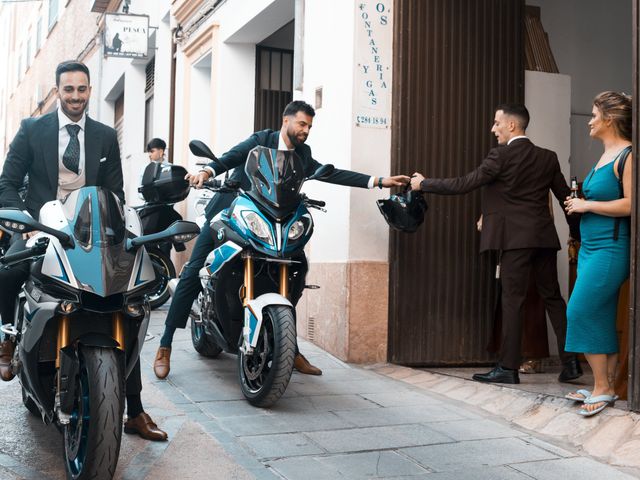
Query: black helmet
[{"x": 404, "y": 211}]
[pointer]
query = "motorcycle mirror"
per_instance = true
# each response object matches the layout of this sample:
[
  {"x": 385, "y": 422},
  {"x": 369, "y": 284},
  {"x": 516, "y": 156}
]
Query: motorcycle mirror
[
  {"x": 200, "y": 149},
  {"x": 179, "y": 231},
  {"x": 18, "y": 221},
  {"x": 323, "y": 172}
]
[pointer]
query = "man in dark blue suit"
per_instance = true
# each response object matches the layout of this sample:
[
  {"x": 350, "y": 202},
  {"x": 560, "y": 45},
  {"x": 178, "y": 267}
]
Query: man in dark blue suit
[
  {"x": 63, "y": 151},
  {"x": 297, "y": 120}
]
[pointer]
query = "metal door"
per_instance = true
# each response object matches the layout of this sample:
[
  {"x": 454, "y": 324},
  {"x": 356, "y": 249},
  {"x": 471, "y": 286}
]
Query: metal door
[
  {"x": 274, "y": 86},
  {"x": 454, "y": 61}
]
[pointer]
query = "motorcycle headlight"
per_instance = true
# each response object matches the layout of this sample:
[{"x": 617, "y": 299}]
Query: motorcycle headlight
[
  {"x": 258, "y": 226},
  {"x": 296, "y": 230}
]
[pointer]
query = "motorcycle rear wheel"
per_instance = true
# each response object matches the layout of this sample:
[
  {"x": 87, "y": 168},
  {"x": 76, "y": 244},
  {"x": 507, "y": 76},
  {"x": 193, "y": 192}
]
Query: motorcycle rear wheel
[
  {"x": 91, "y": 441},
  {"x": 167, "y": 270},
  {"x": 265, "y": 374}
]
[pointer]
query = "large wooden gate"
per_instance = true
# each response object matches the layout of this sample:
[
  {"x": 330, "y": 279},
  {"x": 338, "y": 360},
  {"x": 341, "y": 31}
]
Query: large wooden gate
[{"x": 454, "y": 61}]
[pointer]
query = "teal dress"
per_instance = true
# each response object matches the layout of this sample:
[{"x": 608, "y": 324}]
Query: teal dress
[{"x": 603, "y": 266}]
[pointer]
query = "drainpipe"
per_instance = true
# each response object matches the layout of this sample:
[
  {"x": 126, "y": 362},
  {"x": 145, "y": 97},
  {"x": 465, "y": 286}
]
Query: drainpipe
[
  {"x": 298, "y": 46},
  {"x": 172, "y": 95}
]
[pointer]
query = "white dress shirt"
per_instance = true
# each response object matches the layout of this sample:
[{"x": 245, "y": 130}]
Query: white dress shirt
[
  {"x": 69, "y": 181},
  {"x": 516, "y": 138}
]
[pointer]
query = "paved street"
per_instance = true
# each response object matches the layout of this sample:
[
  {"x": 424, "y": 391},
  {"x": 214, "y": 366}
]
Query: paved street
[{"x": 351, "y": 423}]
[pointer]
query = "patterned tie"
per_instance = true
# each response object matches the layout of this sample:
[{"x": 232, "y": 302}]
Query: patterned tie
[{"x": 71, "y": 156}]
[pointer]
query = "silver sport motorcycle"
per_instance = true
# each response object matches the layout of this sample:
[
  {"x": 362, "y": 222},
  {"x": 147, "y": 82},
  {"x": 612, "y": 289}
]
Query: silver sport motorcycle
[{"x": 81, "y": 318}]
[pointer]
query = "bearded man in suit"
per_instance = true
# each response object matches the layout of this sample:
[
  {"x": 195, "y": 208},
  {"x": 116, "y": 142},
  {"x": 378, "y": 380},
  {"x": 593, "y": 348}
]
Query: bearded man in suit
[
  {"x": 297, "y": 120},
  {"x": 63, "y": 151},
  {"x": 517, "y": 177}
]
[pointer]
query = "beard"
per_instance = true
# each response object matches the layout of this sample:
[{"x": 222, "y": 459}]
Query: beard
[
  {"x": 296, "y": 141},
  {"x": 73, "y": 113}
]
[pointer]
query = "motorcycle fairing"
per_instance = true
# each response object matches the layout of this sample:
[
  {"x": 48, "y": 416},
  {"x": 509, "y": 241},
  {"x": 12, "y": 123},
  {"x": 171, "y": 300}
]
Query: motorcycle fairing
[
  {"x": 280, "y": 245},
  {"x": 221, "y": 255},
  {"x": 276, "y": 176},
  {"x": 144, "y": 268},
  {"x": 290, "y": 246},
  {"x": 236, "y": 222},
  {"x": 253, "y": 317},
  {"x": 96, "y": 220}
]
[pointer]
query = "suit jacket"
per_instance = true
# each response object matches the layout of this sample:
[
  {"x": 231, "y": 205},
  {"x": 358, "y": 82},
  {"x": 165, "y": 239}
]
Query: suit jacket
[
  {"x": 515, "y": 198},
  {"x": 34, "y": 151},
  {"x": 237, "y": 156}
]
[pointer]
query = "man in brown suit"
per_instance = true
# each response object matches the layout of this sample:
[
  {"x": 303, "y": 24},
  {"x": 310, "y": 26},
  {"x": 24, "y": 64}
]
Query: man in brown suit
[{"x": 517, "y": 177}]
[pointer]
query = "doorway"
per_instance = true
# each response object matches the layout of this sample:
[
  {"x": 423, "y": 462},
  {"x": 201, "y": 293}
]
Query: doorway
[{"x": 274, "y": 78}]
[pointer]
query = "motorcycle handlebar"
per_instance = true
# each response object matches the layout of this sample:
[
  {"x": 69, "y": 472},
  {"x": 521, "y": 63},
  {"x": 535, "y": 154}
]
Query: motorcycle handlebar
[
  {"x": 316, "y": 203},
  {"x": 38, "y": 249},
  {"x": 212, "y": 183}
]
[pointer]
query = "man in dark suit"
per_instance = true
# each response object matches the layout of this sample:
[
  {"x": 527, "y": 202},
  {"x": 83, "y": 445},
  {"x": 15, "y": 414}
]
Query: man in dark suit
[
  {"x": 297, "y": 120},
  {"x": 517, "y": 177},
  {"x": 61, "y": 152}
]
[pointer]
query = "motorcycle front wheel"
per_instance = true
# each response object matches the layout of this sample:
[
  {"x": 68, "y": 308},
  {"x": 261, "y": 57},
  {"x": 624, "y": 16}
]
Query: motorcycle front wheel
[
  {"x": 166, "y": 270},
  {"x": 92, "y": 438},
  {"x": 265, "y": 374}
]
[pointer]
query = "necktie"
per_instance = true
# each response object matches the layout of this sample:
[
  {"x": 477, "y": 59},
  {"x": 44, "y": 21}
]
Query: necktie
[{"x": 71, "y": 156}]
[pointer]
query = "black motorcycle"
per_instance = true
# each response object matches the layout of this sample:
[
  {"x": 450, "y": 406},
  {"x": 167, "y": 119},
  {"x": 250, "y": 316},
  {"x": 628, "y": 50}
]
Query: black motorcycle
[
  {"x": 162, "y": 186},
  {"x": 82, "y": 317}
]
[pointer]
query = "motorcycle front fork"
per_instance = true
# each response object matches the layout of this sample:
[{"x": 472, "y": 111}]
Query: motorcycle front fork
[
  {"x": 63, "y": 341},
  {"x": 248, "y": 295},
  {"x": 248, "y": 280},
  {"x": 63, "y": 333}
]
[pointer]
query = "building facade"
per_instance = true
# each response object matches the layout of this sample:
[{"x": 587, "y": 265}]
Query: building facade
[{"x": 398, "y": 86}]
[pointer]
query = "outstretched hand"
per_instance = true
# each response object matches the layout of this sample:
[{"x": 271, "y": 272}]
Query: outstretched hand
[
  {"x": 416, "y": 180},
  {"x": 395, "y": 181}
]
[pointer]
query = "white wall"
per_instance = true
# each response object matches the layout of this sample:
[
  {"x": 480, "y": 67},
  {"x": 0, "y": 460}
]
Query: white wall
[
  {"x": 114, "y": 75},
  {"x": 334, "y": 137},
  {"x": 162, "y": 85},
  {"x": 591, "y": 41},
  {"x": 353, "y": 229},
  {"x": 547, "y": 96}
]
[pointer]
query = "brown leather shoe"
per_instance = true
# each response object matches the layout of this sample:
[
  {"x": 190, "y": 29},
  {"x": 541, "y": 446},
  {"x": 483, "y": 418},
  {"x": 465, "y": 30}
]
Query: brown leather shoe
[
  {"x": 145, "y": 427},
  {"x": 162, "y": 363},
  {"x": 302, "y": 365},
  {"x": 6, "y": 354}
]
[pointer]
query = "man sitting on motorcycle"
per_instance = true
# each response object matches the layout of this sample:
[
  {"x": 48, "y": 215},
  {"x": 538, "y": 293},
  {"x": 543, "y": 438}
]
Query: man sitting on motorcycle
[
  {"x": 72, "y": 163},
  {"x": 297, "y": 120}
]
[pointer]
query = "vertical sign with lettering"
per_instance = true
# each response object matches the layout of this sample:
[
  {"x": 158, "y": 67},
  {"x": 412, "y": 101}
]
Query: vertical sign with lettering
[{"x": 374, "y": 40}]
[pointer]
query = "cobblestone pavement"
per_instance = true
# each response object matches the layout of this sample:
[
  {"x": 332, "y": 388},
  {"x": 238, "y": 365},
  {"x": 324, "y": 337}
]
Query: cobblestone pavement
[{"x": 350, "y": 423}]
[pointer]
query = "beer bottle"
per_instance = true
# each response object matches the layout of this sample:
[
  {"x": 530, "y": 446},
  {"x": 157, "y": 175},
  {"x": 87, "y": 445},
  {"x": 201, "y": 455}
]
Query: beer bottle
[{"x": 574, "y": 187}]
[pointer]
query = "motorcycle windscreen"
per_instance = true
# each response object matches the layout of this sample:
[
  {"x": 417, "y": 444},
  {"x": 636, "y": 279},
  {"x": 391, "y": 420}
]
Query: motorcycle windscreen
[
  {"x": 99, "y": 259},
  {"x": 276, "y": 176}
]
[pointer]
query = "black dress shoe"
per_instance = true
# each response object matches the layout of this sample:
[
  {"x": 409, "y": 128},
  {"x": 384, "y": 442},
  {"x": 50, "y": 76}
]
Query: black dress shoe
[
  {"x": 571, "y": 371},
  {"x": 498, "y": 375}
]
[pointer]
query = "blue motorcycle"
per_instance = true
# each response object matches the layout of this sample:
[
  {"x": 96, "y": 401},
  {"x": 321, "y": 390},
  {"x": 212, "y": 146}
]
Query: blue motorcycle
[
  {"x": 255, "y": 275},
  {"x": 82, "y": 317}
]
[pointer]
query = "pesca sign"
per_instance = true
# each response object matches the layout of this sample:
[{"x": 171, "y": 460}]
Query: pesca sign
[{"x": 126, "y": 35}]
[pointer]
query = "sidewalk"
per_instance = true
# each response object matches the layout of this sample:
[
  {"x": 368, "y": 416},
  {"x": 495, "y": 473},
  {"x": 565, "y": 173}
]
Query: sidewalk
[{"x": 381, "y": 421}]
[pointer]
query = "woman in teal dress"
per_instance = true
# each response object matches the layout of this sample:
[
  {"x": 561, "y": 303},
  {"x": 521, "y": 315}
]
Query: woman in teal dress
[{"x": 603, "y": 261}]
